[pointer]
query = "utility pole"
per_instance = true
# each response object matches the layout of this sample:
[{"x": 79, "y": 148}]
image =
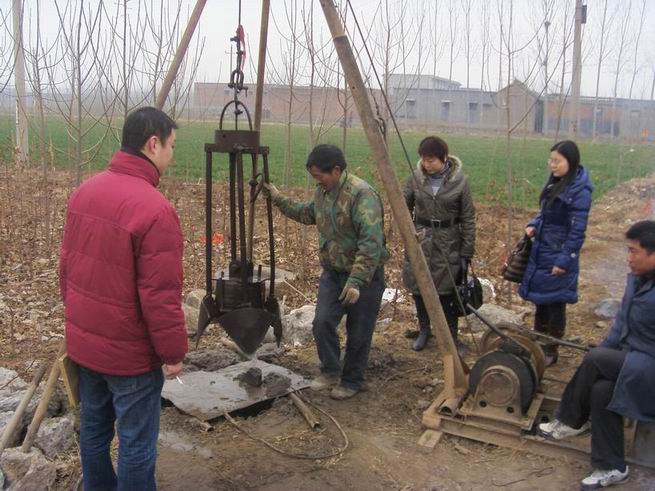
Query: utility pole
[
  {"x": 22, "y": 142},
  {"x": 574, "y": 116}
]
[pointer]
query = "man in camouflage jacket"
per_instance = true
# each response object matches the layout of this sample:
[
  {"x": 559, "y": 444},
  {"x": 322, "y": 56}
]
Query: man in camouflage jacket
[{"x": 349, "y": 216}]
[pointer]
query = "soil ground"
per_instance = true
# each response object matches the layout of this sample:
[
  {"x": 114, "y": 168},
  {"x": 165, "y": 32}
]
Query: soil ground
[{"x": 382, "y": 424}]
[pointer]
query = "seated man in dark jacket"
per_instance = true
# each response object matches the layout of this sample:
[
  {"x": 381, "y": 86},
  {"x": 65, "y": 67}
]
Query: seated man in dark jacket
[{"x": 618, "y": 378}]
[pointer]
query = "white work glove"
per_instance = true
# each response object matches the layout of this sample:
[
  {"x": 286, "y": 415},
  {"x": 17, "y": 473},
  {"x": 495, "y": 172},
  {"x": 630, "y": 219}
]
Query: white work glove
[
  {"x": 270, "y": 190},
  {"x": 349, "y": 295}
]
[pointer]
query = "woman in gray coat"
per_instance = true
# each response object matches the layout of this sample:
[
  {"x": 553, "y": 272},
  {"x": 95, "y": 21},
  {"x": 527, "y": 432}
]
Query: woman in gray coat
[{"x": 439, "y": 198}]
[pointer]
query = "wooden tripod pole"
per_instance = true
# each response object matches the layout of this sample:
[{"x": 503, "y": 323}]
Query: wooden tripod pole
[
  {"x": 259, "y": 101},
  {"x": 455, "y": 378},
  {"x": 179, "y": 55}
]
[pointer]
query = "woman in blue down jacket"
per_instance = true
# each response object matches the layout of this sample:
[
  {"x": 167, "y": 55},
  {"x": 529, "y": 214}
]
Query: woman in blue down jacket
[{"x": 550, "y": 280}]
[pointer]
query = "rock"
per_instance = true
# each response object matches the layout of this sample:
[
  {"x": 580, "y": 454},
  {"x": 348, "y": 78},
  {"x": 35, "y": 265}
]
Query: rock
[
  {"x": 55, "y": 436},
  {"x": 488, "y": 290},
  {"x": 194, "y": 297},
  {"x": 10, "y": 381},
  {"x": 211, "y": 360},
  {"x": 8, "y": 404},
  {"x": 252, "y": 377},
  {"x": 607, "y": 308},
  {"x": 602, "y": 325},
  {"x": 383, "y": 323},
  {"x": 27, "y": 471},
  {"x": 270, "y": 336},
  {"x": 5, "y": 417},
  {"x": 298, "y": 325},
  {"x": 391, "y": 295},
  {"x": 494, "y": 314},
  {"x": 268, "y": 351},
  {"x": 276, "y": 384},
  {"x": 191, "y": 319}
]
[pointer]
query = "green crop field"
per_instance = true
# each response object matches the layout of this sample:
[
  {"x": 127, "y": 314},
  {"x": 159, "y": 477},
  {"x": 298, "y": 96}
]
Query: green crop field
[{"x": 485, "y": 157}]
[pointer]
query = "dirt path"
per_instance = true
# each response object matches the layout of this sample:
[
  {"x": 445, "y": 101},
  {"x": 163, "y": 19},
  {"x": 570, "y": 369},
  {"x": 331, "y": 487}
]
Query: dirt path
[{"x": 383, "y": 423}]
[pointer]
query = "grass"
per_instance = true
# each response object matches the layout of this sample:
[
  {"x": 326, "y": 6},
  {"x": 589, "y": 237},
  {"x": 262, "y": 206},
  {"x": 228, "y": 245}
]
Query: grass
[{"x": 484, "y": 157}]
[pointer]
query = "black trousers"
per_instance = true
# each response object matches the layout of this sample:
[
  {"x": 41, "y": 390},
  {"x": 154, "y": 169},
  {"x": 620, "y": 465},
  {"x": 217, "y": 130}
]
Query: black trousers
[
  {"x": 450, "y": 310},
  {"x": 550, "y": 319},
  {"x": 360, "y": 324},
  {"x": 586, "y": 398}
]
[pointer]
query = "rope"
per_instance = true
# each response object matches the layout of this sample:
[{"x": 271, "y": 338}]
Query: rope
[{"x": 303, "y": 456}]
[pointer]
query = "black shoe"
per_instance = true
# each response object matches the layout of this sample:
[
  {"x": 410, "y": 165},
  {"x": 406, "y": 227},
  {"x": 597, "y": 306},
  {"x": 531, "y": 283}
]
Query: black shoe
[{"x": 422, "y": 339}]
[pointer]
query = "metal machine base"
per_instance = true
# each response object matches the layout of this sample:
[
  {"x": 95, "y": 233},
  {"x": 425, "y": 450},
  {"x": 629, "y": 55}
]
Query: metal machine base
[{"x": 640, "y": 448}]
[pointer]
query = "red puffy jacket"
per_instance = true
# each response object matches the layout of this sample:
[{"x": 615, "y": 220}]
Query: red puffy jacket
[{"x": 120, "y": 272}]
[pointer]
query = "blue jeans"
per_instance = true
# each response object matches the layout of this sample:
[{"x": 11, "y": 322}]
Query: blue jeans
[
  {"x": 134, "y": 403},
  {"x": 360, "y": 324}
]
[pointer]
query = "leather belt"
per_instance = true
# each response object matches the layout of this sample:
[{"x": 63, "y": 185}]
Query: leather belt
[{"x": 436, "y": 223}]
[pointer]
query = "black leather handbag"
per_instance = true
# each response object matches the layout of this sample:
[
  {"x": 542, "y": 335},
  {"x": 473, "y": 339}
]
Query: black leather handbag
[
  {"x": 517, "y": 260},
  {"x": 470, "y": 291}
]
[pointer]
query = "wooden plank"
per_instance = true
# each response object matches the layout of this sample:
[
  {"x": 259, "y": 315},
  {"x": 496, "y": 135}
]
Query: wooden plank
[
  {"x": 430, "y": 438},
  {"x": 70, "y": 373}
]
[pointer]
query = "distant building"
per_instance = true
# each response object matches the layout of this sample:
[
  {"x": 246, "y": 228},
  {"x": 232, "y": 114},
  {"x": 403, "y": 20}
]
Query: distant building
[
  {"x": 328, "y": 103},
  {"x": 430, "y": 101}
]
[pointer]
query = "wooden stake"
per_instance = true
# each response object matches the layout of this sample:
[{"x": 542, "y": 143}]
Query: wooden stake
[{"x": 307, "y": 413}]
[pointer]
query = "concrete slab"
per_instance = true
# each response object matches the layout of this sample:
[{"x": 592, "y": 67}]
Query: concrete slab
[{"x": 207, "y": 395}]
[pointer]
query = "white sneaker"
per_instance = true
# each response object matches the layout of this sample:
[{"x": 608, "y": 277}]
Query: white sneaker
[
  {"x": 323, "y": 382},
  {"x": 557, "y": 430},
  {"x": 601, "y": 479}
]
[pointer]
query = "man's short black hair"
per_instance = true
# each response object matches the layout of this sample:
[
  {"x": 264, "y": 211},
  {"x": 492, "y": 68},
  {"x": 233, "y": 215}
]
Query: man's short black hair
[
  {"x": 644, "y": 233},
  {"x": 143, "y": 123},
  {"x": 326, "y": 157}
]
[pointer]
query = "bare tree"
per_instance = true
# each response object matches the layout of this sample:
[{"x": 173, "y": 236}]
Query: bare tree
[
  {"x": 567, "y": 33},
  {"x": 484, "y": 42},
  {"x": 453, "y": 17},
  {"x": 22, "y": 139},
  {"x": 623, "y": 41},
  {"x": 436, "y": 39},
  {"x": 398, "y": 45},
  {"x": 605, "y": 26},
  {"x": 74, "y": 81},
  {"x": 466, "y": 5}
]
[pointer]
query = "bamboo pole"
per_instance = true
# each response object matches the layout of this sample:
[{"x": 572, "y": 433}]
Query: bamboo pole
[
  {"x": 179, "y": 55},
  {"x": 456, "y": 382},
  {"x": 10, "y": 429}
]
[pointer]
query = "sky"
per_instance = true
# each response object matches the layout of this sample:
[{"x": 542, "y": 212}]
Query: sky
[{"x": 425, "y": 34}]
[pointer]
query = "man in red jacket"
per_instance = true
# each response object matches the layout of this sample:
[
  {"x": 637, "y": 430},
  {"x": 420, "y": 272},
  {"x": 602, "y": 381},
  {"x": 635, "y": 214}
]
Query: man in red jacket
[{"x": 121, "y": 282}]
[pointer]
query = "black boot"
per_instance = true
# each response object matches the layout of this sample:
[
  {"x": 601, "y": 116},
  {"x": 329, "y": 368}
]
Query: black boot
[{"x": 424, "y": 334}]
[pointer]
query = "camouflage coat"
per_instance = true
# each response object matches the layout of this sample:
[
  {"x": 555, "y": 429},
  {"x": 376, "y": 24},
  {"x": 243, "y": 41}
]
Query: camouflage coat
[
  {"x": 452, "y": 202},
  {"x": 350, "y": 224}
]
